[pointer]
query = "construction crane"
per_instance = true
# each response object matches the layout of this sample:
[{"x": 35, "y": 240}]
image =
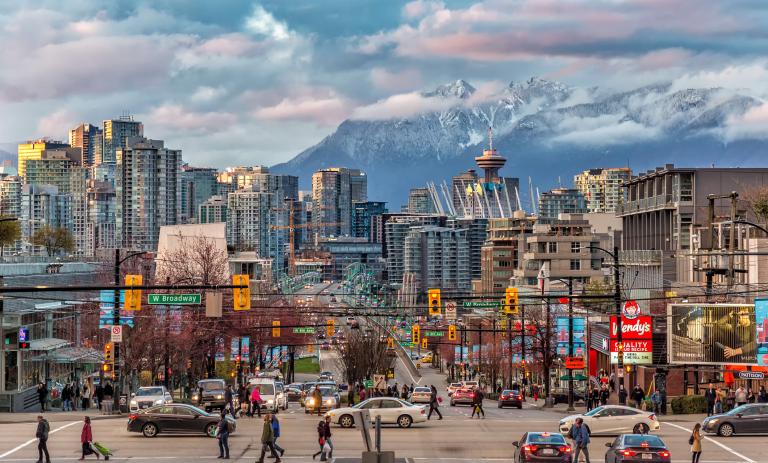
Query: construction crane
[{"x": 291, "y": 227}]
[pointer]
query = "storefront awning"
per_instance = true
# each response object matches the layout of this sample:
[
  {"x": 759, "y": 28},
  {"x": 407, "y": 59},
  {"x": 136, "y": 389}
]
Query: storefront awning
[
  {"x": 80, "y": 355},
  {"x": 47, "y": 344}
]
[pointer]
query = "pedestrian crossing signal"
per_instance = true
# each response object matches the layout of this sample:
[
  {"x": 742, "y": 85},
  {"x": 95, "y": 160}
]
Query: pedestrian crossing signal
[
  {"x": 415, "y": 334},
  {"x": 451, "y": 332},
  {"x": 241, "y": 297},
  {"x": 275, "y": 328},
  {"x": 424, "y": 341},
  {"x": 133, "y": 296},
  {"x": 511, "y": 300},
  {"x": 433, "y": 296}
]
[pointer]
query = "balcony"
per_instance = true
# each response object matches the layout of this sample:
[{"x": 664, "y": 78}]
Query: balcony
[{"x": 646, "y": 204}]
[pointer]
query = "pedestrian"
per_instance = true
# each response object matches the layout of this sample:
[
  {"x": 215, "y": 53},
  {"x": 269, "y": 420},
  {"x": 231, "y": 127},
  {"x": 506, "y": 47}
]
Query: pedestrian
[
  {"x": 719, "y": 396},
  {"x": 75, "y": 395},
  {"x": 321, "y": 441},
  {"x": 622, "y": 395},
  {"x": 604, "y": 393},
  {"x": 66, "y": 398},
  {"x": 740, "y": 396},
  {"x": 256, "y": 400},
  {"x": 229, "y": 400},
  {"x": 99, "y": 390},
  {"x": 656, "y": 401},
  {"x": 434, "y": 403},
  {"x": 710, "y": 395},
  {"x": 535, "y": 393},
  {"x": 42, "y": 396},
  {"x": 695, "y": 441},
  {"x": 477, "y": 404},
  {"x": 351, "y": 396},
  {"x": 581, "y": 440},
  {"x": 404, "y": 393},
  {"x": 222, "y": 435},
  {"x": 595, "y": 397},
  {"x": 638, "y": 395},
  {"x": 612, "y": 382},
  {"x": 108, "y": 403},
  {"x": 762, "y": 395},
  {"x": 266, "y": 440},
  {"x": 750, "y": 396},
  {"x": 362, "y": 393},
  {"x": 86, "y": 397},
  {"x": 276, "y": 434},
  {"x": 42, "y": 435},
  {"x": 86, "y": 439},
  {"x": 318, "y": 396}
]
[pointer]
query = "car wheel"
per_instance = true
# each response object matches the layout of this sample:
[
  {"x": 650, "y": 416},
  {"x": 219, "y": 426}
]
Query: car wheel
[
  {"x": 404, "y": 421},
  {"x": 641, "y": 428},
  {"x": 453, "y": 404},
  {"x": 149, "y": 430},
  {"x": 520, "y": 407},
  {"x": 346, "y": 421},
  {"x": 725, "y": 430},
  {"x": 210, "y": 430},
  {"x": 500, "y": 406}
]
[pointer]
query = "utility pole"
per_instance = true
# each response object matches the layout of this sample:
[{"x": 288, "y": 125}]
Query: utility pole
[
  {"x": 116, "y": 322},
  {"x": 570, "y": 343},
  {"x": 617, "y": 300},
  {"x": 732, "y": 238}
]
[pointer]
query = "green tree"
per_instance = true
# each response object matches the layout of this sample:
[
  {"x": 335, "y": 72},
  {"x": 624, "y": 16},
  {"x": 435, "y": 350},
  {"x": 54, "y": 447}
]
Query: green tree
[
  {"x": 10, "y": 232},
  {"x": 54, "y": 239}
]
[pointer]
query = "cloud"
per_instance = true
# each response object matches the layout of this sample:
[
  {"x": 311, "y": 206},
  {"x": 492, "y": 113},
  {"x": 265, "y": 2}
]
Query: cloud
[
  {"x": 393, "y": 81},
  {"x": 603, "y": 131},
  {"x": 56, "y": 124},
  {"x": 176, "y": 118},
  {"x": 402, "y": 106},
  {"x": 420, "y": 8},
  {"x": 752, "y": 76},
  {"x": 261, "y": 22},
  {"x": 328, "y": 110},
  {"x": 205, "y": 94},
  {"x": 753, "y": 124}
]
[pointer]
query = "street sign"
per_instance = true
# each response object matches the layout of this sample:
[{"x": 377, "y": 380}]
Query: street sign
[
  {"x": 481, "y": 304},
  {"x": 574, "y": 363},
  {"x": 368, "y": 383},
  {"x": 759, "y": 375},
  {"x": 117, "y": 333},
  {"x": 434, "y": 334},
  {"x": 390, "y": 373},
  {"x": 450, "y": 310},
  {"x": 380, "y": 382},
  {"x": 304, "y": 330},
  {"x": 174, "y": 299}
]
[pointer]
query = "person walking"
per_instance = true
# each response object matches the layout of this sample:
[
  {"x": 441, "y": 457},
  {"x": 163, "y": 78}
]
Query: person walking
[
  {"x": 108, "y": 402},
  {"x": 604, "y": 394},
  {"x": 318, "y": 396},
  {"x": 276, "y": 434},
  {"x": 66, "y": 398},
  {"x": 42, "y": 439},
  {"x": 710, "y": 395},
  {"x": 762, "y": 395},
  {"x": 320, "y": 439},
  {"x": 256, "y": 400},
  {"x": 42, "y": 396},
  {"x": 695, "y": 441},
  {"x": 477, "y": 404},
  {"x": 719, "y": 396},
  {"x": 581, "y": 440},
  {"x": 622, "y": 395},
  {"x": 222, "y": 435},
  {"x": 267, "y": 437},
  {"x": 740, "y": 396},
  {"x": 535, "y": 393},
  {"x": 75, "y": 395},
  {"x": 86, "y": 439},
  {"x": 99, "y": 394},
  {"x": 404, "y": 392},
  {"x": 229, "y": 400},
  {"x": 86, "y": 397},
  {"x": 362, "y": 393},
  {"x": 638, "y": 395},
  {"x": 434, "y": 405},
  {"x": 656, "y": 401}
]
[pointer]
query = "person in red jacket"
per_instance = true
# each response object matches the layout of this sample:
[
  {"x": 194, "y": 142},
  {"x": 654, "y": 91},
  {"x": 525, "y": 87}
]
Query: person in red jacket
[{"x": 86, "y": 438}]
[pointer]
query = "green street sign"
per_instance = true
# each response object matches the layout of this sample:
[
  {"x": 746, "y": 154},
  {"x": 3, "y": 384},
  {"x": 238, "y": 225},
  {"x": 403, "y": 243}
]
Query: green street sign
[
  {"x": 368, "y": 383},
  {"x": 174, "y": 299},
  {"x": 304, "y": 330},
  {"x": 433, "y": 334},
  {"x": 481, "y": 305}
]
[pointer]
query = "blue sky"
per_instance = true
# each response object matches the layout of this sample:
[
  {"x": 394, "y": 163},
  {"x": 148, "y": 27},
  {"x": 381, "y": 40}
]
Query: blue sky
[{"x": 255, "y": 82}]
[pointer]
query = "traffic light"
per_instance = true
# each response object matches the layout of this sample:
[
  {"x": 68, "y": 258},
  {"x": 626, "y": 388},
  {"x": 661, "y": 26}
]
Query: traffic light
[
  {"x": 330, "y": 330},
  {"x": 275, "y": 328},
  {"x": 133, "y": 296},
  {"x": 390, "y": 343},
  {"x": 433, "y": 296},
  {"x": 424, "y": 342},
  {"x": 511, "y": 301},
  {"x": 415, "y": 334},
  {"x": 451, "y": 332},
  {"x": 503, "y": 327},
  {"x": 310, "y": 348},
  {"x": 108, "y": 354},
  {"x": 241, "y": 297}
]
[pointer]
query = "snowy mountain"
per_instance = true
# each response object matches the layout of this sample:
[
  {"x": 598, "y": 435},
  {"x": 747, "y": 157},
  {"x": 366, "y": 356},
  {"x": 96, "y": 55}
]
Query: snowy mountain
[{"x": 545, "y": 129}]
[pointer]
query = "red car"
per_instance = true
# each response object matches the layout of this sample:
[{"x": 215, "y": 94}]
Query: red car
[
  {"x": 510, "y": 398},
  {"x": 462, "y": 397}
]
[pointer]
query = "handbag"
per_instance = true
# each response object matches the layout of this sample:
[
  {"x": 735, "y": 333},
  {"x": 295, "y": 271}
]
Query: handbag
[{"x": 690, "y": 440}]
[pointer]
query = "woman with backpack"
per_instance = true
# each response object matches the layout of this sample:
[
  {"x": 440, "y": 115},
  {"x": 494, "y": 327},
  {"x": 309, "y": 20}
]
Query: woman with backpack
[
  {"x": 222, "y": 434},
  {"x": 695, "y": 441}
]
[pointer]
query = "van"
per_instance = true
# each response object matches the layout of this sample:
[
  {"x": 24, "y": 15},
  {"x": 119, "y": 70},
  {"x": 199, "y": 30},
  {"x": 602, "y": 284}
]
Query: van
[{"x": 268, "y": 390}]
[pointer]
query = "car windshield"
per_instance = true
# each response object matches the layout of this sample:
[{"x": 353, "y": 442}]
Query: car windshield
[
  {"x": 456, "y": 385},
  {"x": 265, "y": 388},
  {"x": 326, "y": 391},
  {"x": 594, "y": 411},
  {"x": 422, "y": 389},
  {"x": 211, "y": 385},
  {"x": 545, "y": 438},
  {"x": 643, "y": 441},
  {"x": 509, "y": 392},
  {"x": 145, "y": 391}
]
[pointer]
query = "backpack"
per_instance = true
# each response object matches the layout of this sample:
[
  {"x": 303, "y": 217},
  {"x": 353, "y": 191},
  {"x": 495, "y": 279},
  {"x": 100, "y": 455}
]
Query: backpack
[{"x": 230, "y": 427}]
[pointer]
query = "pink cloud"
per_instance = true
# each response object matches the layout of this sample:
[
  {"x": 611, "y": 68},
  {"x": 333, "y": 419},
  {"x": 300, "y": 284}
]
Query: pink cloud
[
  {"x": 403, "y": 106},
  {"x": 326, "y": 110},
  {"x": 56, "y": 124},
  {"x": 752, "y": 124},
  {"x": 177, "y": 118},
  {"x": 419, "y": 8},
  {"x": 407, "y": 79}
]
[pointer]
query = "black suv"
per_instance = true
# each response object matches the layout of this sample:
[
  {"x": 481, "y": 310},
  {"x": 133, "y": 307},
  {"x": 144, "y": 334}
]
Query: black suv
[{"x": 212, "y": 396}]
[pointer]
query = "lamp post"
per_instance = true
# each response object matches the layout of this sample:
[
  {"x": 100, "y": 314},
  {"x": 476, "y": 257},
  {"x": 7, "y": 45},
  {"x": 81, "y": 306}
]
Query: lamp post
[
  {"x": 569, "y": 282},
  {"x": 617, "y": 301}
]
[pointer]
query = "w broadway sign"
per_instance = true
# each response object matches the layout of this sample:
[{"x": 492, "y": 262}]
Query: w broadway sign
[{"x": 174, "y": 299}]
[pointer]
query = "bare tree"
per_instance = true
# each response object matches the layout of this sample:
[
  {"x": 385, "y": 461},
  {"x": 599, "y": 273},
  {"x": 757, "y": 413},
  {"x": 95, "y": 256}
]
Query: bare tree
[
  {"x": 363, "y": 356},
  {"x": 757, "y": 199}
]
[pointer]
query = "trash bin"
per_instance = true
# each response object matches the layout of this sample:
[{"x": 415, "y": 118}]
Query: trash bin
[{"x": 123, "y": 403}]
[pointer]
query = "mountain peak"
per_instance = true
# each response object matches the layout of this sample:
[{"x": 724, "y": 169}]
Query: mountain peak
[{"x": 459, "y": 88}]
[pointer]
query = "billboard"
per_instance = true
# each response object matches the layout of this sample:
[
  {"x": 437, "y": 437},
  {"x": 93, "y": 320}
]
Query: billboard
[
  {"x": 579, "y": 337},
  {"x": 636, "y": 337},
  {"x": 761, "y": 326},
  {"x": 712, "y": 334}
]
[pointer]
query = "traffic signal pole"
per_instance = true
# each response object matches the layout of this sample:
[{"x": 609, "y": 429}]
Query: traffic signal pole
[{"x": 116, "y": 371}]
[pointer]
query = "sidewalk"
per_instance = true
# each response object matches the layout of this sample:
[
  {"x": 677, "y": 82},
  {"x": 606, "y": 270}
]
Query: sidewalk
[{"x": 56, "y": 416}]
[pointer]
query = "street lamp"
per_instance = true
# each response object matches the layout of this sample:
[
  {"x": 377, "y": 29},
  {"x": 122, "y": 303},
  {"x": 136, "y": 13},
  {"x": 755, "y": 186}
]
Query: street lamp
[
  {"x": 569, "y": 282},
  {"x": 617, "y": 301}
]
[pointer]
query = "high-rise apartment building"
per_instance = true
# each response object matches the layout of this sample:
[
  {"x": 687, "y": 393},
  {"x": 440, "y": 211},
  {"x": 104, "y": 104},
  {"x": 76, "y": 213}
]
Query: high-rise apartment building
[
  {"x": 477, "y": 232},
  {"x": 438, "y": 257},
  {"x": 52, "y": 168},
  {"x": 558, "y": 201},
  {"x": 32, "y": 150},
  {"x": 396, "y": 228},
  {"x": 43, "y": 205},
  {"x": 250, "y": 218},
  {"x": 102, "y": 216},
  {"x": 197, "y": 185},
  {"x": 503, "y": 250},
  {"x": 602, "y": 187},
  {"x": 333, "y": 192},
  {"x": 363, "y": 217},
  {"x": 212, "y": 210},
  {"x": 148, "y": 191},
  {"x": 420, "y": 201},
  {"x": 10, "y": 196},
  {"x": 116, "y": 133},
  {"x": 90, "y": 140}
]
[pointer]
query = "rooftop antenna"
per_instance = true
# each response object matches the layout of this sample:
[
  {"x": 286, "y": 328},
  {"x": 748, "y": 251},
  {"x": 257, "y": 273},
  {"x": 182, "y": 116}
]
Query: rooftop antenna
[{"x": 490, "y": 138}]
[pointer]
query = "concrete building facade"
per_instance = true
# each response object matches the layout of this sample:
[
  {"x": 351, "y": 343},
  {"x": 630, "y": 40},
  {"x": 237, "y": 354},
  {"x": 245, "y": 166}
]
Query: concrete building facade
[{"x": 602, "y": 188}]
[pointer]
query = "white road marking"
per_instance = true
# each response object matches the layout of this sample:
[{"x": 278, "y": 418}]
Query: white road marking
[
  {"x": 722, "y": 446},
  {"x": 409, "y": 372},
  {"x": 16, "y": 449}
]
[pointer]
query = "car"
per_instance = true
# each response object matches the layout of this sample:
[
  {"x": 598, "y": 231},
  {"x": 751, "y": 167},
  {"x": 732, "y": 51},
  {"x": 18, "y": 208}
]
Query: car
[
  {"x": 542, "y": 447},
  {"x": 212, "y": 396},
  {"x": 351, "y": 320},
  {"x": 325, "y": 376},
  {"x": 510, "y": 398},
  {"x": 293, "y": 393},
  {"x": 452, "y": 388},
  {"x": 305, "y": 388},
  {"x": 325, "y": 346},
  {"x": 421, "y": 395},
  {"x": 462, "y": 396},
  {"x": 613, "y": 420},
  {"x": 744, "y": 419},
  {"x": 268, "y": 391},
  {"x": 175, "y": 419},
  {"x": 470, "y": 384},
  {"x": 148, "y": 397},
  {"x": 282, "y": 397},
  {"x": 329, "y": 399},
  {"x": 390, "y": 409},
  {"x": 631, "y": 448}
]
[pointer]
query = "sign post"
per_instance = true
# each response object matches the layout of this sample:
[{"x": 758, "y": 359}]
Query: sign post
[
  {"x": 450, "y": 310},
  {"x": 117, "y": 333}
]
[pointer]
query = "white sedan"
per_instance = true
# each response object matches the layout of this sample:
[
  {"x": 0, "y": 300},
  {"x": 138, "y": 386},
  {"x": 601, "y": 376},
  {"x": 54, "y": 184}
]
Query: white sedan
[
  {"x": 613, "y": 420},
  {"x": 391, "y": 411},
  {"x": 421, "y": 395}
]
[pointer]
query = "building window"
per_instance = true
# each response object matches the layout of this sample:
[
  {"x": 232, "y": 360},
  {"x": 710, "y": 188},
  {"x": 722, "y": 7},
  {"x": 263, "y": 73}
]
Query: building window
[
  {"x": 575, "y": 264},
  {"x": 552, "y": 247},
  {"x": 575, "y": 247}
]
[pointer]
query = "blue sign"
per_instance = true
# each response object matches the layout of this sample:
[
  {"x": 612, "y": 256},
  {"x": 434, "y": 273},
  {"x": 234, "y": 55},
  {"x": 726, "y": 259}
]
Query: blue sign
[
  {"x": 23, "y": 334},
  {"x": 761, "y": 322},
  {"x": 107, "y": 307},
  {"x": 579, "y": 337}
]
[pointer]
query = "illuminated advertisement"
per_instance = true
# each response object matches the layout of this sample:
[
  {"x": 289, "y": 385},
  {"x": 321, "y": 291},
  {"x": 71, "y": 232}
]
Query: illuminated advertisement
[
  {"x": 761, "y": 324},
  {"x": 636, "y": 339},
  {"x": 579, "y": 337},
  {"x": 713, "y": 334}
]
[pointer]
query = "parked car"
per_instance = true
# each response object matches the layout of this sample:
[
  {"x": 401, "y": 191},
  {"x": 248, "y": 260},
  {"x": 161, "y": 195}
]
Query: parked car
[
  {"x": 630, "y": 448},
  {"x": 421, "y": 395},
  {"x": 175, "y": 419},
  {"x": 542, "y": 447},
  {"x": 391, "y": 411},
  {"x": 745, "y": 419},
  {"x": 268, "y": 391},
  {"x": 148, "y": 397},
  {"x": 212, "y": 396},
  {"x": 462, "y": 396},
  {"x": 613, "y": 420},
  {"x": 510, "y": 398}
]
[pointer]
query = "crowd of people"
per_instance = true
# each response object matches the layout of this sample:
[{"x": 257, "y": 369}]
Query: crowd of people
[
  {"x": 721, "y": 400},
  {"x": 78, "y": 396}
]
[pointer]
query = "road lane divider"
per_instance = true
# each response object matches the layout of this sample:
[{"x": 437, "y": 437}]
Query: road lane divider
[
  {"x": 721, "y": 445},
  {"x": 32, "y": 441}
]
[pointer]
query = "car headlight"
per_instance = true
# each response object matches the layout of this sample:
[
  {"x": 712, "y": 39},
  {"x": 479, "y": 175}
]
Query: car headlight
[
  {"x": 133, "y": 402},
  {"x": 713, "y": 421},
  {"x": 270, "y": 401},
  {"x": 311, "y": 402},
  {"x": 330, "y": 401},
  {"x": 219, "y": 396},
  {"x": 159, "y": 402},
  {"x": 194, "y": 397}
]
